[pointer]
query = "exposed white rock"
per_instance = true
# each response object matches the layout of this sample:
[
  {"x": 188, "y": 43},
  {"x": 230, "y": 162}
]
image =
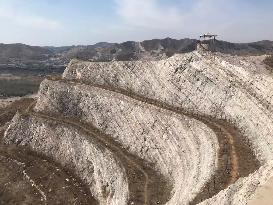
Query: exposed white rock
[
  {"x": 181, "y": 148},
  {"x": 203, "y": 83},
  {"x": 76, "y": 150},
  {"x": 223, "y": 87}
]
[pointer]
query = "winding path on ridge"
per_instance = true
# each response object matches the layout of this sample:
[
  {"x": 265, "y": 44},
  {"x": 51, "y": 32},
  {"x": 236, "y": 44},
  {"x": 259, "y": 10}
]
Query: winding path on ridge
[
  {"x": 235, "y": 157},
  {"x": 143, "y": 181},
  {"x": 29, "y": 178}
]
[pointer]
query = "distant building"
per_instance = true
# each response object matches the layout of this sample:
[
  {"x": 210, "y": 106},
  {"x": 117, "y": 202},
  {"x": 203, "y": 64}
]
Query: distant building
[{"x": 206, "y": 42}]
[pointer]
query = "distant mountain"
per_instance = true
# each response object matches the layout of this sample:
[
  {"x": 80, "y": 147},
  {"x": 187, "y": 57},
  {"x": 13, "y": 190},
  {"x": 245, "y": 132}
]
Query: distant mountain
[
  {"x": 131, "y": 50},
  {"x": 57, "y": 50},
  {"x": 10, "y": 52},
  {"x": 159, "y": 48},
  {"x": 33, "y": 57},
  {"x": 255, "y": 48},
  {"x": 21, "y": 56}
]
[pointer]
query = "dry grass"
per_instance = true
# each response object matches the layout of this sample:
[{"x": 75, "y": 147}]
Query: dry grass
[
  {"x": 269, "y": 61},
  {"x": 8, "y": 113}
]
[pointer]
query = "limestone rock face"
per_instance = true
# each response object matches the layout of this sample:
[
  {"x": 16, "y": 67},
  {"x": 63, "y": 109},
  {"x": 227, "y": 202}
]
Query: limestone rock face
[
  {"x": 195, "y": 128},
  {"x": 180, "y": 148},
  {"x": 75, "y": 150},
  {"x": 235, "y": 89},
  {"x": 204, "y": 84}
]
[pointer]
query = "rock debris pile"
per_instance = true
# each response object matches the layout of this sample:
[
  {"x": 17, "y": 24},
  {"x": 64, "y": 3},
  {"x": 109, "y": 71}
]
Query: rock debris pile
[{"x": 193, "y": 129}]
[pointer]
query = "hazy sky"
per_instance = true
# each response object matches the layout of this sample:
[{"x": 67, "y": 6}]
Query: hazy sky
[{"x": 70, "y": 22}]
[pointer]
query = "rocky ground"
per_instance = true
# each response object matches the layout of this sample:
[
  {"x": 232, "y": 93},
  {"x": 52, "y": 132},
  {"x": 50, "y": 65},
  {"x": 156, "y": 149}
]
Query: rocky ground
[
  {"x": 29, "y": 178},
  {"x": 193, "y": 129}
]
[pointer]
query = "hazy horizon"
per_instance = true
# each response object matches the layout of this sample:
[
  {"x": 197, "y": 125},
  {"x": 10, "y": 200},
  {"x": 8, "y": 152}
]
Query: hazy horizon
[
  {"x": 86, "y": 22},
  {"x": 120, "y": 42}
]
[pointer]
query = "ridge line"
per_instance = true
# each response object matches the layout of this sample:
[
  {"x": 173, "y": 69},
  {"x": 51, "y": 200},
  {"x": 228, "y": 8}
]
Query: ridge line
[
  {"x": 102, "y": 140},
  {"x": 207, "y": 120}
]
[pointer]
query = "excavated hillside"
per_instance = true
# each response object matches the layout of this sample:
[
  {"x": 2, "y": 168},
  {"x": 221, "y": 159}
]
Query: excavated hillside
[{"x": 193, "y": 129}]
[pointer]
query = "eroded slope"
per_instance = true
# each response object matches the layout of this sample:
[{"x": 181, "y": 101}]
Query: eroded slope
[
  {"x": 162, "y": 138},
  {"x": 176, "y": 131},
  {"x": 200, "y": 83},
  {"x": 222, "y": 87},
  {"x": 77, "y": 151}
]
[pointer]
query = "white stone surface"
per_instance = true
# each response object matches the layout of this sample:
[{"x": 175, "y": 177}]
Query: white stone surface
[
  {"x": 92, "y": 162},
  {"x": 233, "y": 88},
  {"x": 184, "y": 150}
]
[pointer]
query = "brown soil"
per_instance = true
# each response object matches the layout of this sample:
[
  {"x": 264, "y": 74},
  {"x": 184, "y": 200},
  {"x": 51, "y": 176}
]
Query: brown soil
[
  {"x": 29, "y": 178},
  {"x": 8, "y": 113},
  {"x": 236, "y": 160},
  {"x": 26, "y": 178}
]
